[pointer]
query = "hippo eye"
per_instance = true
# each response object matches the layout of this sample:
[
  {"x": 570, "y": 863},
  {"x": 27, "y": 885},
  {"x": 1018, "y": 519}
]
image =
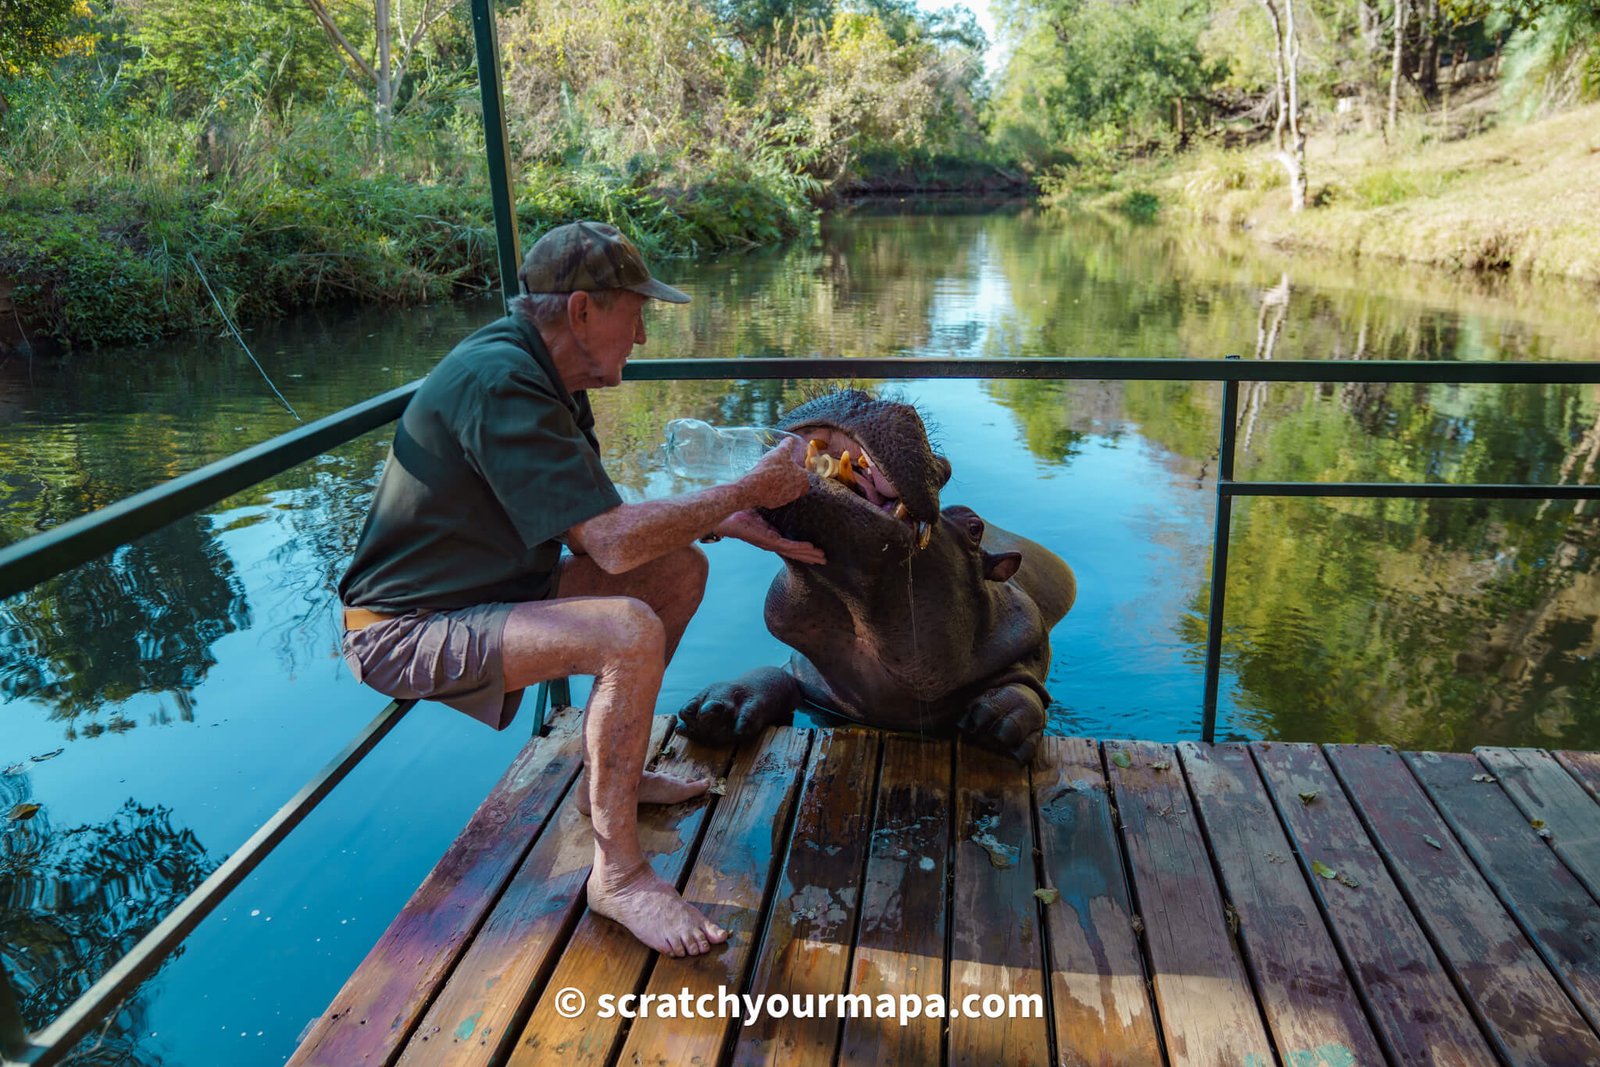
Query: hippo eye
[{"x": 975, "y": 529}]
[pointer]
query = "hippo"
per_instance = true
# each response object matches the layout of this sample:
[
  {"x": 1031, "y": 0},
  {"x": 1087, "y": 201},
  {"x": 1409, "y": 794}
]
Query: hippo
[{"x": 922, "y": 619}]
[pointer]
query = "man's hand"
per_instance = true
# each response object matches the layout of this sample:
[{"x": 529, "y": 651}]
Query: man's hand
[
  {"x": 778, "y": 478},
  {"x": 752, "y": 528}
]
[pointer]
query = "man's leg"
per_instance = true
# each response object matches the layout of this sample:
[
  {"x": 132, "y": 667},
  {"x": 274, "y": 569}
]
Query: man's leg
[
  {"x": 624, "y": 643},
  {"x": 672, "y": 586}
]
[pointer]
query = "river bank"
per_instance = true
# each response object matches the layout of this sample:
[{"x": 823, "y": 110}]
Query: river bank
[{"x": 1520, "y": 198}]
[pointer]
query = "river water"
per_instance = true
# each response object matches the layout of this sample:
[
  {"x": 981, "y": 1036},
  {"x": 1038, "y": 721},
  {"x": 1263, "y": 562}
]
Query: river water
[{"x": 161, "y": 702}]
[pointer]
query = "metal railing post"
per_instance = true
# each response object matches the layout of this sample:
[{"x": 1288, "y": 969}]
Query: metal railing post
[
  {"x": 496, "y": 146},
  {"x": 1219, "y": 557},
  {"x": 13, "y": 1035}
]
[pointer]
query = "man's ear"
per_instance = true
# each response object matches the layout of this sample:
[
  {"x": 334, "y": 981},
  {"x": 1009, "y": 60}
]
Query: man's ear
[
  {"x": 1000, "y": 566},
  {"x": 577, "y": 308}
]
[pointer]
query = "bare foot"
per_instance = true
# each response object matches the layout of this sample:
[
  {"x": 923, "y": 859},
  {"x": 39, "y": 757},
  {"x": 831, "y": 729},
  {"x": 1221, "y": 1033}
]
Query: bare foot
[
  {"x": 653, "y": 789},
  {"x": 653, "y": 911}
]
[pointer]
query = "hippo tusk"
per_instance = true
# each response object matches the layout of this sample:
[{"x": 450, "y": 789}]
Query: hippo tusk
[
  {"x": 846, "y": 471},
  {"x": 900, "y": 511},
  {"x": 924, "y": 535}
]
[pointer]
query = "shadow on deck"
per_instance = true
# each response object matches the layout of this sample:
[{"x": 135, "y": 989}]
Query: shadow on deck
[{"x": 1194, "y": 904}]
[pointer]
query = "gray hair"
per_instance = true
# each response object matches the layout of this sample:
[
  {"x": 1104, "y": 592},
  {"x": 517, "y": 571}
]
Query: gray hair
[{"x": 549, "y": 309}]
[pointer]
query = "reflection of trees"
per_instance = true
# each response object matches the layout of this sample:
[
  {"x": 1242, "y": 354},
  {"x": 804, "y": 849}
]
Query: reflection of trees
[
  {"x": 140, "y": 619},
  {"x": 73, "y": 902}
]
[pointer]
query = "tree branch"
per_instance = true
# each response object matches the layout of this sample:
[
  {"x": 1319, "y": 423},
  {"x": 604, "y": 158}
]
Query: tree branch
[{"x": 348, "y": 54}]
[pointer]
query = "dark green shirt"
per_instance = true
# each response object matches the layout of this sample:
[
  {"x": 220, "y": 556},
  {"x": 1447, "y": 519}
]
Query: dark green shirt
[{"x": 492, "y": 461}]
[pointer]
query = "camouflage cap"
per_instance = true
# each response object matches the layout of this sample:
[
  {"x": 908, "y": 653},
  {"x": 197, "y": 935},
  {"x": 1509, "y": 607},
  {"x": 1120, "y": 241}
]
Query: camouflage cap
[{"x": 587, "y": 257}]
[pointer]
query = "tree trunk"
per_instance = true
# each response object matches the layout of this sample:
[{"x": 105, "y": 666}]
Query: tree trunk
[
  {"x": 1290, "y": 139},
  {"x": 1428, "y": 60},
  {"x": 1177, "y": 122},
  {"x": 1394, "y": 68},
  {"x": 386, "y": 90}
]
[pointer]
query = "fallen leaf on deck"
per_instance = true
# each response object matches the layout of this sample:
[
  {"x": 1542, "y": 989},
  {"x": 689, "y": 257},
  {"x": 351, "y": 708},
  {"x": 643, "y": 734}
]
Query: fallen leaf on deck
[
  {"x": 1429, "y": 838},
  {"x": 1161, "y": 765},
  {"x": 1049, "y": 896},
  {"x": 1308, "y": 796},
  {"x": 1345, "y": 879},
  {"x": 15, "y": 768},
  {"x": 23, "y": 812},
  {"x": 1545, "y": 834},
  {"x": 1483, "y": 778},
  {"x": 1121, "y": 760},
  {"x": 1323, "y": 869},
  {"x": 47, "y": 755},
  {"x": 1537, "y": 824},
  {"x": 718, "y": 788}
]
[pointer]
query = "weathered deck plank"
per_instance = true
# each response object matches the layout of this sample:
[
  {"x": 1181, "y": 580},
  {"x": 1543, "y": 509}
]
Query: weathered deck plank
[
  {"x": 1312, "y": 1010},
  {"x": 996, "y": 945},
  {"x": 601, "y": 957},
  {"x": 1552, "y": 907},
  {"x": 1413, "y": 1005},
  {"x": 1406, "y": 909},
  {"x": 730, "y": 883},
  {"x": 1584, "y": 766},
  {"x": 1099, "y": 997},
  {"x": 381, "y": 1004},
  {"x": 1208, "y": 1011},
  {"x": 496, "y": 979},
  {"x": 1546, "y": 793},
  {"x": 806, "y": 948},
  {"x": 1526, "y": 1011},
  {"x": 900, "y": 944}
]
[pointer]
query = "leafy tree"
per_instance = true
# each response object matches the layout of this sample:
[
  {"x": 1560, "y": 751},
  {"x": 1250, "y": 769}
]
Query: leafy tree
[{"x": 34, "y": 32}]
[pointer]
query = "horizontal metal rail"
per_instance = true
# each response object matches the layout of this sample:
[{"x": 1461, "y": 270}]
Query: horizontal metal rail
[
  {"x": 1111, "y": 369},
  {"x": 39, "y": 558},
  {"x": 43, "y": 556},
  {"x": 55, "y": 1041},
  {"x": 1410, "y": 490}
]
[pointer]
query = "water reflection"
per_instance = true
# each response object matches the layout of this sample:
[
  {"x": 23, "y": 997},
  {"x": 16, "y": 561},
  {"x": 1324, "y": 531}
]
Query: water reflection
[
  {"x": 73, "y": 901},
  {"x": 1420, "y": 623}
]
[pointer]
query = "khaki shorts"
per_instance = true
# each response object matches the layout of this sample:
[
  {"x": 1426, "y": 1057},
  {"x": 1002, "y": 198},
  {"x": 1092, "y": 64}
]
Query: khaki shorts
[{"x": 453, "y": 657}]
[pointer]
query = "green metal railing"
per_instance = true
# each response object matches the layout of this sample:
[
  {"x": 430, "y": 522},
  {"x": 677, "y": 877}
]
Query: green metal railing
[{"x": 25, "y": 565}]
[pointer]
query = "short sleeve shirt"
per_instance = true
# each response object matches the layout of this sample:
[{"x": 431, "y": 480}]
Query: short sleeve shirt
[{"x": 493, "y": 460}]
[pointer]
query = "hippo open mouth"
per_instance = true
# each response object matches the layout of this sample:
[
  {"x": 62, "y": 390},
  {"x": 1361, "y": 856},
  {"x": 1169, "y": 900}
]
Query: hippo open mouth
[
  {"x": 875, "y": 480},
  {"x": 838, "y": 458}
]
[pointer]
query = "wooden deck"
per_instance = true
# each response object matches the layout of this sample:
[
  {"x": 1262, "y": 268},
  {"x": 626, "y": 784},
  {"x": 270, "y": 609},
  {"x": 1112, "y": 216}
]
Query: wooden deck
[{"x": 1230, "y": 904}]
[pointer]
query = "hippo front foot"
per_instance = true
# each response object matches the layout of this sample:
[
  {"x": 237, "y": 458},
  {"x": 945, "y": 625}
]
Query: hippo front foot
[
  {"x": 721, "y": 713},
  {"x": 1008, "y": 720}
]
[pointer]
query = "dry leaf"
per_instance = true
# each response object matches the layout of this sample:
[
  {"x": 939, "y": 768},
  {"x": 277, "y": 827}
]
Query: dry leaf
[
  {"x": 1429, "y": 838},
  {"x": 23, "y": 812},
  {"x": 1308, "y": 796},
  {"x": 1537, "y": 824},
  {"x": 1483, "y": 778},
  {"x": 47, "y": 755},
  {"x": 1048, "y": 896},
  {"x": 1121, "y": 760},
  {"x": 1161, "y": 765},
  {"x": 718, "y": 788}
]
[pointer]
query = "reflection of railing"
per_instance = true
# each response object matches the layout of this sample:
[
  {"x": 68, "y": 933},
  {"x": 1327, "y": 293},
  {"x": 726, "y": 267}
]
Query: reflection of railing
[{"x": 24, "y": 565}]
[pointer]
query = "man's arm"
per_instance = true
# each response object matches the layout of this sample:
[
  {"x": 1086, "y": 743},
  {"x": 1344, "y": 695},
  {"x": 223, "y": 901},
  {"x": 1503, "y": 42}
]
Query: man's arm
[{"x": 630, "y": 535}]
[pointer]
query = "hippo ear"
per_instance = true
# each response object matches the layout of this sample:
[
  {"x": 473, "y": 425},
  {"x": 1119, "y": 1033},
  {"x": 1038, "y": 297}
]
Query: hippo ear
[
  {"x": 1000, "y": 566},
  {"x": 942, "y": 467}
]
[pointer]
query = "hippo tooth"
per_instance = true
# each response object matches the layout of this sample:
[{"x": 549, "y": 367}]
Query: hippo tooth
[
  {"x": 812, "y": 449},
  {"x": 847, "y": 471},
  {"x": 924, "y": 535},
  {"x": 900, "y": 511}
]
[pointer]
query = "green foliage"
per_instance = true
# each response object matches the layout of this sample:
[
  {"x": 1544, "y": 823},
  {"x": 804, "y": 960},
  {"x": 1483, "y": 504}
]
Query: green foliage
[
  {"x": 32, "y": 32},
  {"x": 1553, "y": 59},
  {"x": 1085, "y": 75}
]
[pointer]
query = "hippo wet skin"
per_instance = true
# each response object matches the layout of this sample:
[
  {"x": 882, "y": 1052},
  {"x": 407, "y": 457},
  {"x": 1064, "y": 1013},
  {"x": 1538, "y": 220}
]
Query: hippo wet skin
[{"x": 921, "y": 620}]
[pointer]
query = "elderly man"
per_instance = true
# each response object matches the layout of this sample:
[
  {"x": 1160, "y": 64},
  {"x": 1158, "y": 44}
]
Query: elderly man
[{"x": 458, "y": 591}]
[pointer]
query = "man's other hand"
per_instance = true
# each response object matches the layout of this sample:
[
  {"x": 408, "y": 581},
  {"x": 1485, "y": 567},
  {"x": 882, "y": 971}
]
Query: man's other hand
[
  {"x": 778, "y": 478},
  {"x": 752, "y": 528}
]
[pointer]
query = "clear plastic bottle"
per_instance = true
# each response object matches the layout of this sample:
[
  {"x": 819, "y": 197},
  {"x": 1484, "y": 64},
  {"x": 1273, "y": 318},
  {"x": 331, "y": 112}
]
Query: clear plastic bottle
[{"x": 701, "y": 454}]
